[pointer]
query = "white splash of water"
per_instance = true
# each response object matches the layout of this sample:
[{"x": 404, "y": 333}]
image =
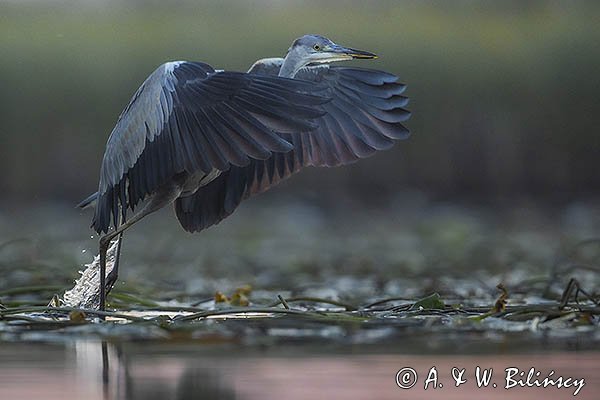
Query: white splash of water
[{"x": 86, "y": 292}]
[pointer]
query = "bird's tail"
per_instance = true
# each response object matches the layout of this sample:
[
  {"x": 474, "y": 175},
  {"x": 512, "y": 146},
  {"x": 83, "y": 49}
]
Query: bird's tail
[{"x": 89, "y": 201}]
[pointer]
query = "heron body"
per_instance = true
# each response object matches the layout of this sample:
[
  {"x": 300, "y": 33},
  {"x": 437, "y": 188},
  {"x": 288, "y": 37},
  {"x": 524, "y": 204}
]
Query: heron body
[{"x": 206, "y": 140}]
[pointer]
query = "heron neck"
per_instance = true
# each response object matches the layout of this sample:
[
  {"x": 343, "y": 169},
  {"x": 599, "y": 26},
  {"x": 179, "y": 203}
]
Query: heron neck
[{"x": 290, "y": 66}]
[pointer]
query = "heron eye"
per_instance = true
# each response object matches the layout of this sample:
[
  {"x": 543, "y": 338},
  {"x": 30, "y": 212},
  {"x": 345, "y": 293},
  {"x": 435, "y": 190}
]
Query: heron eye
[{"x": 317, "y": 47}]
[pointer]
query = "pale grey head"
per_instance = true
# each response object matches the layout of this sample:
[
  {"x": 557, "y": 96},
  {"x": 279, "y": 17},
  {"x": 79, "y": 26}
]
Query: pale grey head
[{"x": 316, "y": 49}]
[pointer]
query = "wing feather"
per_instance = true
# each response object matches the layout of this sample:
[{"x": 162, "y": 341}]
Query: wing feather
[
  {"x": 186, "y": 117},
  {"x": 364, "y": 116}
]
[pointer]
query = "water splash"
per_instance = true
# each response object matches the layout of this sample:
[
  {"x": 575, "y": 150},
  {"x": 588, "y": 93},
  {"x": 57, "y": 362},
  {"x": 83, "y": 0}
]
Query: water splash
[{"x": 86, "y": 292}]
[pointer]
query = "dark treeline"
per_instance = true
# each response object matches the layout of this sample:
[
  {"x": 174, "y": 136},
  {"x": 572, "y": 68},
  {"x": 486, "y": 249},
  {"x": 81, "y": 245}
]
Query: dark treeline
[{"x": 504, "y": 95}]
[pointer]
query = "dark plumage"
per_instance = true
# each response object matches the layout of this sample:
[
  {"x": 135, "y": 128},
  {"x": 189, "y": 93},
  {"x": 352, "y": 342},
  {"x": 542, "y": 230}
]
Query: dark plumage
[
  {"x": 364, "y": 116},
  {"x": 207, "y": 139},
  {"x": 187, "y": 118}
]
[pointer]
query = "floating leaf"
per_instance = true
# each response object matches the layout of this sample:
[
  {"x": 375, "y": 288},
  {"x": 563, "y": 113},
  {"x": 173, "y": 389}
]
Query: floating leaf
[
  {"x": 77, "y": 316},
  {"x": 430, "y": 302},
  {"x": 239, "y": 299},
  {"x": 221, "y": 298},
  {"x": 55, "y": 302},
  {"x": 500, "y": 304}
]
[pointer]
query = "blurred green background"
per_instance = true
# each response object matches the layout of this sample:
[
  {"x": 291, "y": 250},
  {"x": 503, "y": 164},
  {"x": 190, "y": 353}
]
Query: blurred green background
[{"x": 505, "y": 95}]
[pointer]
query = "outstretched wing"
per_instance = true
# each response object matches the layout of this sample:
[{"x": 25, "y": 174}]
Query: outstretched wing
[
  {"x": 364, "y": 116},
  {"x": 188, "y": 117}
]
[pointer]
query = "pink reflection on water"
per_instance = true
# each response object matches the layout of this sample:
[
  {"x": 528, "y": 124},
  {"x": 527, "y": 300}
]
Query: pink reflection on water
[
  {"x": 78, "y": 375},
  {"x": 373, "y": 377}
]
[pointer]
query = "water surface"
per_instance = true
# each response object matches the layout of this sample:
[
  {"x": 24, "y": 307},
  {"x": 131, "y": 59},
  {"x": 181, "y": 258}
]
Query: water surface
[{"x": 153, "y": 370}]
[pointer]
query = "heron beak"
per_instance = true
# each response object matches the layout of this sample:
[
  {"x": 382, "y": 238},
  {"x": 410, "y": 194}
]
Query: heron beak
[
  {"x": 359, "y": 54},
  {"x": 340, "y": 53},
  {"x": 352, "y": 53}
]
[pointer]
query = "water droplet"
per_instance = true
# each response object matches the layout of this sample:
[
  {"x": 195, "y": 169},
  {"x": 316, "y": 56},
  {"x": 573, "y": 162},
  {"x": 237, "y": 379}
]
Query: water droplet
[
  {"x": 92, "y": 236},
  {"x": 83, "y": 251}
]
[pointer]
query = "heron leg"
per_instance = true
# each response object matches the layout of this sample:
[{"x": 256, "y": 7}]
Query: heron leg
[
  {"x": 108, "y": 281},
  {"x": 159, "y": 199},
  {"x": 103, "y": 248},
  {"x": 112, "y": 276}
]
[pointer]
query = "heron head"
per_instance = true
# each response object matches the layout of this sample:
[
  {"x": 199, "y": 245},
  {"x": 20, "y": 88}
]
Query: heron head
[
  {"x": 316, "y": 49},
  {"x": 319, "y": 49}
]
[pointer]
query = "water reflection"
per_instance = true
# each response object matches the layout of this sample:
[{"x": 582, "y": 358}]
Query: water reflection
[
  {"x": 103, "y": 371},
  {"x": 150, "y": 370}
]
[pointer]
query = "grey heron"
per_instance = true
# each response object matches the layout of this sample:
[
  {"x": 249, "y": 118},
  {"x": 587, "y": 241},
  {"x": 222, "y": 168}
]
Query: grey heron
[{"x": 207, "y": 139}]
